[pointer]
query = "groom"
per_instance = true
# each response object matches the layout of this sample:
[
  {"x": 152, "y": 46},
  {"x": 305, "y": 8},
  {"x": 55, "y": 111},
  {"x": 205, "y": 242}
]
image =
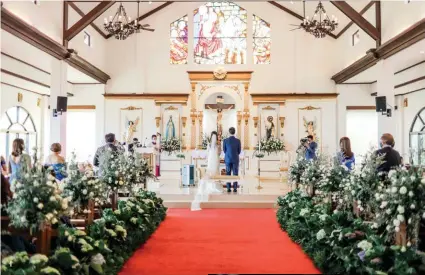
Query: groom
[{"x": 232, "y": 149}]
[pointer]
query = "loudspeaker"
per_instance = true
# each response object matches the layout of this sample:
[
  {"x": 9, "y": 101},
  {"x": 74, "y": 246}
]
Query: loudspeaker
[
  {"x": 62, "y": 104},
  {"x": 381, "y": 103}
]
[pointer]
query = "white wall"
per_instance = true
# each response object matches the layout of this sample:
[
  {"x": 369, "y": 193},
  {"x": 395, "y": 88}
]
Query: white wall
[
  {"x": 398, "y": 16},
  {"x": 96, "y": 53},
  {"x": 45, "y": 16},
  {"x": 296, "y": 65}
]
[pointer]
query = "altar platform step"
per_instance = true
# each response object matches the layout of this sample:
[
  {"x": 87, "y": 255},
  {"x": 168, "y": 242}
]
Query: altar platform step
[{"x": 222, "y": 204}]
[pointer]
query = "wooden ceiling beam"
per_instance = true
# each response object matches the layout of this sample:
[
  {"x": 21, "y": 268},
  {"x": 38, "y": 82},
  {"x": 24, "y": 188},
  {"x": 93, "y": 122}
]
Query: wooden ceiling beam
[
  {"x": 86, "y": 67},
  {"x": 149, "y": 13},
  {"x": 82, "y": 14},
  {"x": 364, "y": 10},
  {"x": 88, "y": 19},
  {"x": 357, "y": 18},
  {"x": 294, "y": 14}
]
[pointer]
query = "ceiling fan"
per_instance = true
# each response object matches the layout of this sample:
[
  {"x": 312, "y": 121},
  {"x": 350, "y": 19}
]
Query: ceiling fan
[{"x": 144, "y": 26}]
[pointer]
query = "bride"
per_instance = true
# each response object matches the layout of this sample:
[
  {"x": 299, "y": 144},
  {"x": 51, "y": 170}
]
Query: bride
[
  {"x": 207, "y": 186},
  {"x": 213, "y": 163}
]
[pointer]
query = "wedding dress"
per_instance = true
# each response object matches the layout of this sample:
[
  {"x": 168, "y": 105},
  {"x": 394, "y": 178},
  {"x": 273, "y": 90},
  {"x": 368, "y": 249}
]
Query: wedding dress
[{"x": 206, "y": 185}]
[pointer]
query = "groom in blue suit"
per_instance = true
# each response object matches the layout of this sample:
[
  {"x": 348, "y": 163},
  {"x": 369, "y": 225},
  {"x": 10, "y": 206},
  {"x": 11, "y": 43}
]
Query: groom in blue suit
[{"x": 232, "y": 149}]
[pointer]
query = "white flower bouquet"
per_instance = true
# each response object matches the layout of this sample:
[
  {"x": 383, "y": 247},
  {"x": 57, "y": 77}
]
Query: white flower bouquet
[
  {"x": 171, "y": 145},
  {"x": 269, "y": 146}
]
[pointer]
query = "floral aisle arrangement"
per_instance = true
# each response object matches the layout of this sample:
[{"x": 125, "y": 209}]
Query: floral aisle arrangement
[
  {"x": 36, "y": 200},
  {"x": 313, "y": 173},
  {"x": 135, "y": 170},
  {"x": 297, "y": 169},
  {"x": 270, "y": 146},
  {"x": 339, "y": 244},
  {"x": 111, "y": 165},
  {"x": 83, "y": 186},
  {"x": 401, "y": 203},
  {"x": 363, "y": 183},
  {"x": 21, "y": 263},
  {"x": 171, "y": 145}
]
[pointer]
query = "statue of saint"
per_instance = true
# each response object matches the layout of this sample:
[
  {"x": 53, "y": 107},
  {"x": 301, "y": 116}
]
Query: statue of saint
[
  {"x": 171, "y": 130},
  {"x": 270, "y": 130},
  {"x": 131, "y": 130}
]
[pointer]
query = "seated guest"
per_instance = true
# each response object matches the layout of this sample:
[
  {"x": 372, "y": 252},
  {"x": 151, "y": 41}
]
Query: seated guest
[
  {"x": 310, "y": 148},
  {"x": 6, "y": 194},
  {"x": 346, "y": 156},
  {"x": 391, "y": 157},
  {"x": 56, "y": 161},
  {"x": 111, "y": 143},
  {"x": 18, "y": 161}
]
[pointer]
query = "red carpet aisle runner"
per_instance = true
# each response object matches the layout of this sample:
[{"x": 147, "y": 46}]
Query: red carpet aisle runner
[{"x": 214, "y": 241}]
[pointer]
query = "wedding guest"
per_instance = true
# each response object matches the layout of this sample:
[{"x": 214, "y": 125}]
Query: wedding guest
[
  {"x": 391, "y": 157},
  {"x": 56, "y": 161},
  {"x": 3, "y": 165},
  {"x": 346, "y": 156},
  {"x": 18, "y": 161},
  {"x": 6, "y": 194},
  {"x": 310, "y": 148},
  {"x": 111, "y": 143}
]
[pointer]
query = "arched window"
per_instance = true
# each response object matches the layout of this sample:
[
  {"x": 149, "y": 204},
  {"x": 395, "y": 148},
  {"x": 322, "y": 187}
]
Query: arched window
[
  {"x": 179, "y": 41},
  {"x": 220, "y": 33},
  {"x": 16, "y": 122},
  {"x": 261, "y": 40},
  {"x": 417, "y": 139}
]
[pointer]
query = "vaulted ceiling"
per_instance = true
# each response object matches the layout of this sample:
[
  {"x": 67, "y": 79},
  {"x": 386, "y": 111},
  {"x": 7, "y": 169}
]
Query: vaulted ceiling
[{"x": 296, "y": 8}]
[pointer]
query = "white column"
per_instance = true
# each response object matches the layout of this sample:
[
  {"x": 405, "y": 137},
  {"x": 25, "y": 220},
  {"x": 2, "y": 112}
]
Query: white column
[
  {"x": 385, "y": 87},
  {"x": 56, "y": 126}
]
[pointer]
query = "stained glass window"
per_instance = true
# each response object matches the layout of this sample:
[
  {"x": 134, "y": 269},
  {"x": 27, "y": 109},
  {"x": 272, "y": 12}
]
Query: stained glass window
[
  {"x": 220, "y": 33},
  {"x": 178, "y": 41},
  {"x": 261, "y": 41}
]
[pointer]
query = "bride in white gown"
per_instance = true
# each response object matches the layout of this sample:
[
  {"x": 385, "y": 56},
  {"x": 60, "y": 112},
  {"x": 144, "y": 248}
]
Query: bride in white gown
[{"x": 207, "y": 186}]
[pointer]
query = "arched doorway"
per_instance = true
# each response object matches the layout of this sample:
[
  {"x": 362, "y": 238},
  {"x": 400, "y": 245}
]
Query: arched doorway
[
  {"x": 417, "y": 139},
  {"x": 17, "y": 122}
]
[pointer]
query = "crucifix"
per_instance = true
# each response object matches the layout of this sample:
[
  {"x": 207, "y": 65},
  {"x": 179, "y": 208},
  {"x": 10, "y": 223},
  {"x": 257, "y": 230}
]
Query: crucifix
[{"x": 220, "y": 107}]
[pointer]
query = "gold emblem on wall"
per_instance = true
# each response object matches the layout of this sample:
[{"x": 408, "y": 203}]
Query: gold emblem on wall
[
  {"x": 309, "y": 108},
  {"x": 38, "y": 102},
  {"x": 282, "y": 121},
  {"x": 131, "y": 108},
  {"x": 405, "y": 102},
  {"x": 184, "y": 119},
  {"x": 255, "y": 119},
  {"x": 158, "y": 120},
  {"x": 220, "y": 73},
  {"x": 20, "y": 97},
  {"x": 171, "y": 108},
  {"x": 268, "y": 108}
]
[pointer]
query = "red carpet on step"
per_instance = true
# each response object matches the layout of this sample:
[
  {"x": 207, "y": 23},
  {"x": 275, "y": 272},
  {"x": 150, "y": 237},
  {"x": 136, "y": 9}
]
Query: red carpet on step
[{"x": 219, "y": 241}]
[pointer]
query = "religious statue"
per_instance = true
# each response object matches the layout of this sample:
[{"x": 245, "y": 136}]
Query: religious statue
[
  {"x": 219, "y": 119},
  {"x": 170, "y": 130},
  {"x": 131, "y": 129},
  {"x": 270, "y": 129},
  {"x": 310, "y": 127}
]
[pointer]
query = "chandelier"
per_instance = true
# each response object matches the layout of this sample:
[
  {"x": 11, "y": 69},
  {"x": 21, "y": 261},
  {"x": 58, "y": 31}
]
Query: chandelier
[
  {"x": 120, "y": 25},
  {"x": 320, "y": 25}
]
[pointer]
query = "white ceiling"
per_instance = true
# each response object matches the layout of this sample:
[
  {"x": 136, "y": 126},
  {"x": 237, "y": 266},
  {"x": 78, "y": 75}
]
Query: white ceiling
[
  {"x": 75, "y": 76},
  {"x": 296, "y": 6},
  {"x": 130, "y": 8}
]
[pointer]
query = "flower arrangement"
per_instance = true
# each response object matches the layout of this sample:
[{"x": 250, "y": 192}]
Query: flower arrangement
[
  {"x": 135, "y": 170},
  {"x": 171, "y": 145},
  {"x": 111, "y": 165},
  {"x": 332, "y": 177},
  {"x": 401, "y": 202},
  {"x": 313, "y": 172},
  {"x": 296, "y": 170},
  {"x": 271, "y": 145},
  {"x": 83, "y": 186},
  {"x": 36, "y": 200}
]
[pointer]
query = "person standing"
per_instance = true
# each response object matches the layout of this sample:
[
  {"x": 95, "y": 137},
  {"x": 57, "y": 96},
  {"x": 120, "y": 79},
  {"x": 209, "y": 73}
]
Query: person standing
[
  {"x": 111, "y": 143},
  {"x": 310, "y": 148},
  {"x": 391, "y": 157},
  {"x": 156, "y": 144},
  {"x": 232, "y": 149},
  {"x": 346, "y": 156},
  {"x": 19, "y": 161}
]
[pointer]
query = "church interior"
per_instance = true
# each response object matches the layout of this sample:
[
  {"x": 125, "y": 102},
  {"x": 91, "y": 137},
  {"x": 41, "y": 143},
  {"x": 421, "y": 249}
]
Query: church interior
[{"x": 119, "y": 120}]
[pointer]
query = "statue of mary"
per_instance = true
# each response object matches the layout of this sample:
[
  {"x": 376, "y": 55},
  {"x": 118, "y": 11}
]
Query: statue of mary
[{"x": 171, "y": 130}]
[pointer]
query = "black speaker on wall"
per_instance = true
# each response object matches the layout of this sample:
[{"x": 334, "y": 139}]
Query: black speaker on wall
[
  {"x": 381, "y": 103},
  {"x": 62, "y": 104}
]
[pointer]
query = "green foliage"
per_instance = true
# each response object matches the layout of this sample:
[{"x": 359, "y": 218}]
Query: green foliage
[
  {"x": 36, "y": 200},
  {"x": 338, "y": 243},
  {"x": 171, "y": 145},
  {"x": 270, "y": 146},
  {"x": 20, "y": 263}
]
